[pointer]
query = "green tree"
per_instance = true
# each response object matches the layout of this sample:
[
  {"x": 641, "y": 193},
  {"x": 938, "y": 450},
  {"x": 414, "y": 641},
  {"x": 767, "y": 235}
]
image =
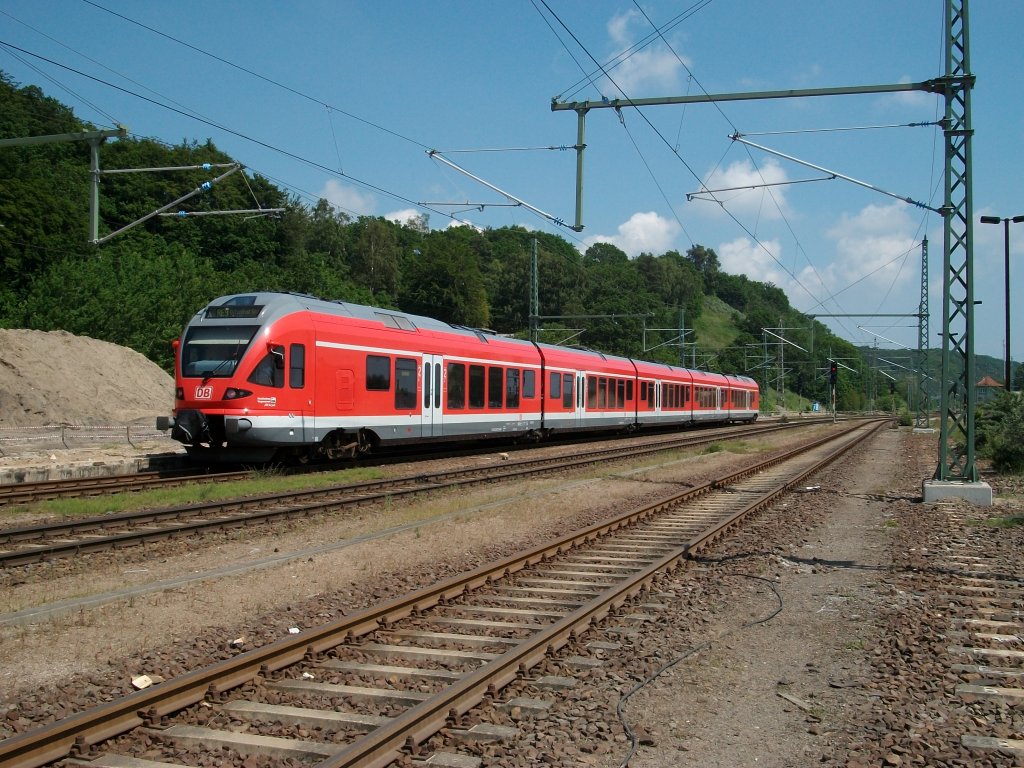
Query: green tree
[
  {"x": 376, "y": 262},
  {"x": 614, "y": 287},
  {"x": 444, "y": 280}
]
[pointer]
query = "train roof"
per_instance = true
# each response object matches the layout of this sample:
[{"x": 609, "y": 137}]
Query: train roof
[{"x": 267, "y": 306}]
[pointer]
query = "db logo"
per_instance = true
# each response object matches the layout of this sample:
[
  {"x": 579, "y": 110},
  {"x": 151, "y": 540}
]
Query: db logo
[{"x": 204, "y": 393}]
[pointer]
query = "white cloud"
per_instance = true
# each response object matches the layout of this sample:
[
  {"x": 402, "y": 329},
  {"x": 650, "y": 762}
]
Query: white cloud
[
  {"x": 651, "y": 67},
  {"x": 909, "y": 99},
  {"x": 745, "y": 257},
  {"x": 450, "y": 223},
  {"x": 743, "y": 191},
  {"x": 407, "y": 217},
  {"x": 643, "y": 232},
  {"x": 875, "y": 265},
  {"x": 348, "y": 199},
  {"x": 869, "y": 244}
]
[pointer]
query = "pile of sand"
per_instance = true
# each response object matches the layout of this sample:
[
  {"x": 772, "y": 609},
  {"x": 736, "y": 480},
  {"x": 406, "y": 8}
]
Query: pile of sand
[{"x": 54, "y": 377}]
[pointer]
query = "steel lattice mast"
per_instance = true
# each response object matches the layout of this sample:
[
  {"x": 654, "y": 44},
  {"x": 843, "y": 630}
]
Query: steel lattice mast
[
  {"x": 923, "y": 403},
  {"x": 956, "y": 441},
  {"x": 956, "y": 433}
]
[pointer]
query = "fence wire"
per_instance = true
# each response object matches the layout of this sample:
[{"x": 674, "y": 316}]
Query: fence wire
[{"x": 54, "y": 436}]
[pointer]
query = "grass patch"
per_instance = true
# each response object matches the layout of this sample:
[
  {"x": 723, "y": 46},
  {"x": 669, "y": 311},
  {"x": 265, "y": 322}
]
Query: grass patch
[
  {"x": 261, "y": 482},
  {"x": 712, "y": 448},
  {"x": 1005, "y": 522},
  {"x": 745, "y": 447}
]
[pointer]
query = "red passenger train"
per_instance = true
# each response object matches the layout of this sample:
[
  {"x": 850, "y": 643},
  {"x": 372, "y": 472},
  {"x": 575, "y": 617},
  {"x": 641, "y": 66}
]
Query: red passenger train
[{"x": 264, "y": 376}]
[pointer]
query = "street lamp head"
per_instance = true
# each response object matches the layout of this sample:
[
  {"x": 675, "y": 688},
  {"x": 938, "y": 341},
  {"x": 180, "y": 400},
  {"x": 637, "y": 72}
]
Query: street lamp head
[
  {"x": 990, "y": 220},
  {"x": 1017, "y": 219}
]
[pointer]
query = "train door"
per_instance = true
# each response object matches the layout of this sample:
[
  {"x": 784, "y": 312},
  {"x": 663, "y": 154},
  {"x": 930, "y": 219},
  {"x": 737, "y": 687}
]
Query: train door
[
  {"x": 432, "y": 414},
  {"x": 581, "y": 398},
  {"x": 299, "y": 381}
]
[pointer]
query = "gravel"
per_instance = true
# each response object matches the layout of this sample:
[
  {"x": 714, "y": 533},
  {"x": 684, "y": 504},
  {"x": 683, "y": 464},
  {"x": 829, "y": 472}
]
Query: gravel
[{"x": 817, "y": 636}]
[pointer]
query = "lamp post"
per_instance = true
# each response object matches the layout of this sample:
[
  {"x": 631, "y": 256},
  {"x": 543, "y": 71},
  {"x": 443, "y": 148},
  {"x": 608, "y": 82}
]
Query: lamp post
[{"x": 1006, "y": 242}]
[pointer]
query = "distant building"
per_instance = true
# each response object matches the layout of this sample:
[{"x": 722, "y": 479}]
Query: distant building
[{"x": 987, "y": 388}]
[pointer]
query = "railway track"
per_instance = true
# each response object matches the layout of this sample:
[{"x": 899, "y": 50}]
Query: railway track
[
  {"x": 36, "y": 543},
  {"x": 370, "y": 688},
  {"x": 987, "y": 629},
  {"x": 30, "y": 492},
  {"x": 78, "y": 487}
]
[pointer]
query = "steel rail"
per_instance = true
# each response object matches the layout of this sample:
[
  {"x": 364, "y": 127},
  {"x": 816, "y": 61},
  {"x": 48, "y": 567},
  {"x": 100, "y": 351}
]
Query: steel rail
[
  {"x": 389, "y": 742},
  {"x": 254, "y": 510},
  {"x": 43, "y": 490},
  {"x": 76, "y": 734}
]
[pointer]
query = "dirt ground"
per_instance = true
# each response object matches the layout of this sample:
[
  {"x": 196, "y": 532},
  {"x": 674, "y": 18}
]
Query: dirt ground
[{"x": 785, "y": 661}]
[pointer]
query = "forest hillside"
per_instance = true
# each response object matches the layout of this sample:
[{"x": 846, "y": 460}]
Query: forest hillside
[{"x": 138, "y": 289}]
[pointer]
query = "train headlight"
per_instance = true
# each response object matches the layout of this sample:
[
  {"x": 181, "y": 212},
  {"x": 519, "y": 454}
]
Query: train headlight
[
  {"x": 179, "y": 393},
  {"x": 234, "y": 394}
]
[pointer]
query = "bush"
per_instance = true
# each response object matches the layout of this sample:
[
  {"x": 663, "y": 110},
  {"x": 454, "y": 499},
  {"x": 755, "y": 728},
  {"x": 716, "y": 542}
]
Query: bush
[{"x": 999, "y": 426}]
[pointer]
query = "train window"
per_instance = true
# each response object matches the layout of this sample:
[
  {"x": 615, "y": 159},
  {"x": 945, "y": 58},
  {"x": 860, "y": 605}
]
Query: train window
[
  {"x": 620, "y": 390},
  {"x": 529, "y": 384},
  {"x": 495, "y": 379},
  {"x": 555, "y": 386},
  {"x": 651, "y": 393},
  {"x": 437, "y": 385},
  {"x": 378, "y": 373},
  {"x": 629, "y": 391},
  {"x": 591, "y": 392},
  {"x": 686, "y": 393},
  {"x": 705, "y": 397},
  {"x": 476, "y": 386},
  {"x": 428, "y": 370},
  {"x": 567, "y": 390},
  {"x": 297, "y": 366},
  {"x": 214, "y": 351},
  {"x": 512, "y": 388},
  {"x": 456, "y": 385},
  {"x": 643, "y": 390},
  {"x": 268, "y": 372},
  {"x": 602, "y": 392},
  {"x": 405, "y": 383},
  {"x": 670, "y": 394}
]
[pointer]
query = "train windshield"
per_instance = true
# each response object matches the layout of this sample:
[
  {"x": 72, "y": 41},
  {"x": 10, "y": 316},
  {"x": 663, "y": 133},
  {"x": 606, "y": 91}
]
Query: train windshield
[{"x": 214, "y": 351}]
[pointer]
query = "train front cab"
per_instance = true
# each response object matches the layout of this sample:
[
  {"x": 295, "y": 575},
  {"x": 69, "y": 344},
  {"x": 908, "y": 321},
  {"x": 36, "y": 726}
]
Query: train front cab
[{"x": 241, "y": 389}]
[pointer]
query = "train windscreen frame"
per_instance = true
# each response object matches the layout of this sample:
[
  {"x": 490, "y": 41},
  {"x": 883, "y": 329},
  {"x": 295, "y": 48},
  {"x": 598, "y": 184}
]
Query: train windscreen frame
[{"x": 214, "y": 351}]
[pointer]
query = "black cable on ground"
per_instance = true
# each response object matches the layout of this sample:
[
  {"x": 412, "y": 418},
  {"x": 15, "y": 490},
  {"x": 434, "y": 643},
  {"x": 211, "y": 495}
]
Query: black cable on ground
[{"x": 691, "y": 652}]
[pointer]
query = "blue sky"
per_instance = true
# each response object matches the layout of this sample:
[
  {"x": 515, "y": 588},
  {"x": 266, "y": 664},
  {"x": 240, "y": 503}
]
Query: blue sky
[{"x": 350, "y": 96}]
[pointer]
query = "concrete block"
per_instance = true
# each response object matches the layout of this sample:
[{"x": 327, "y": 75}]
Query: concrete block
[{"x": 979, "y": 494}]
